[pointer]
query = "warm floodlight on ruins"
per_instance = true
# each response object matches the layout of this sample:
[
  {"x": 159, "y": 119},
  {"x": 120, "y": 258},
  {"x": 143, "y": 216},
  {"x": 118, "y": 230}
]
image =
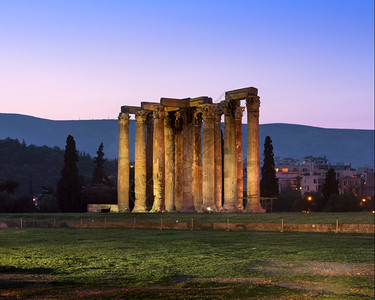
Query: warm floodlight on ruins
[{"x": 179, "y": 161}]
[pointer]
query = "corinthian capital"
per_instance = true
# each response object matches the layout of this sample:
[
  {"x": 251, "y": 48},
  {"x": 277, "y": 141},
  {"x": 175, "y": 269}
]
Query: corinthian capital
[
  {"x": 239, "y": 112},
  {"x": 208, "y": 111},
  {"x": 123, "y": 118},
  {"x": 197, "y": 118},
  {"x": 158, "y": 112},
  {"x": 141, "y": 116},
  {"x": 253, "y": 103}
]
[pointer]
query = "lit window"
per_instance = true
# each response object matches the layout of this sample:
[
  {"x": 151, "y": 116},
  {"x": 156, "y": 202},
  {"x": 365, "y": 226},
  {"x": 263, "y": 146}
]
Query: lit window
[
  {"x": 277, "y": 169},
  {"x": 285, "y": 170}
]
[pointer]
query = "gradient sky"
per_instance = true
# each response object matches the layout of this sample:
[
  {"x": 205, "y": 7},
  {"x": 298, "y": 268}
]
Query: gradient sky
[{"x": 312, "y": 60}]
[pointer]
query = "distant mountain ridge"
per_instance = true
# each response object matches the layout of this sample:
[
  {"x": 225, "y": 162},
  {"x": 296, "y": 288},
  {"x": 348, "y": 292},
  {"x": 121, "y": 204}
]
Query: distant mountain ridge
[{"x": 338, "y": 145}]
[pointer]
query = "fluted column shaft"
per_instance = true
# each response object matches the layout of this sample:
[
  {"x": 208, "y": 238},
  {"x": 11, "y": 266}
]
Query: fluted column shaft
[
  {"x": 123, "y": 163},
  {"x": 197, "y": 160},
  {"x": 208, "y": 158},
  {"x": 169, "y": 163},
  {"x": 230, "y": 163},
  {"x": 218, "y": 162},
  {"x": 158, "y": 160},
  {"x": 187, "y": 153},
  {"x": 178, "y": 161},
  {"x": 149, "y": 161},
  {"x": 253, "y": 158},
  {"x": 140, "y": 162},
  {"x": 239, "y": 156}
]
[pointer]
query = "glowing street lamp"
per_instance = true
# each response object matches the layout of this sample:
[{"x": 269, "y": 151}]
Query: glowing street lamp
[{"x": 309, "y": 198}]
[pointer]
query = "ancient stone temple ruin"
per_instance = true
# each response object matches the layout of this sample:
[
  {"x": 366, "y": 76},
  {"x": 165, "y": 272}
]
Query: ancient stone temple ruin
[{"x": 180, "y": 167}]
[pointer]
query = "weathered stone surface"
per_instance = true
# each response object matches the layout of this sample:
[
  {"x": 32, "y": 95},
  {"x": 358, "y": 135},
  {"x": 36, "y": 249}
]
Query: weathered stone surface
[
  {"x": 241, "y": 94},
  {"x": 178, "y": 142},
  {"x": 169, "y": 162},
  {"x": 158, "y": 160},
  {"x": 208, "y": 158},
  {"x": 187, "y": 154},
  {"x": 123, "y": 163},
  {"x": 253, "y": 158},
  {"x": 218, "y": 160},
  {"x": 239, "y": 156},
  {"x": 140, "y": 162},
  {"x": 197, "y": 160},
  {"x": 149, "y": 162},
  {"x": 230, "y": 162}
]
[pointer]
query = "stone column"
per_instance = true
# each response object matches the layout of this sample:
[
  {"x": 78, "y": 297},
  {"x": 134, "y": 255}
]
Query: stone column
[
  {"x": 178, "y": 161},
  {"x": 218, "y": 161},
  {"x": 230, "y": 162},
  {"x": 158, "y": 160},
  {"x": 169, "y": 162},
  {"x": 187, "y": 154},
  {"x": 208, "y": 158},
  {"x": 239, "y": 156},
  {"x": 253, "y": 158},
  {"x": 123, "y": 163},
  {"x": 197, "y": 160},
  {"x": 140, "y": 162},
  {"x": 149, "y": 161}
]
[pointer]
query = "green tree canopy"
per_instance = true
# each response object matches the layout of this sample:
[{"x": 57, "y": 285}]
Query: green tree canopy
[
  {"x": 69, "y": 185},
  {"x": 330, "y": 187},
  {"x": 268, "y": 184},
  {"x": 99, "y": 176}
]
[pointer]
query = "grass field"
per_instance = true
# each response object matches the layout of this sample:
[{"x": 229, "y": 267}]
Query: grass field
[
  {"x": 119, "y": 263},
  {"x": 311, "y": 218}
]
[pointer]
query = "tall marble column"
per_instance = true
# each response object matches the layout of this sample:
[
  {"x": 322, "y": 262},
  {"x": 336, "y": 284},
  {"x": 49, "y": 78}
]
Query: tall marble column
[
  {"x": 158, "y": 160},
  {"x": 149, "y": 161},
  {"x": 197, "y": 160},
  {"x": 208, "y": 158},
  {"x": 140, "y": 162},
  {"x": 169, "y": 162},
  {"x": 253, "y": 158},
  {"x": 187, "y": 154},
  {"x": 230, "y": 162},
  {"x": 178, "y": 143},
  {"x": 218, "y": 160},
  {"x": 123, "y": 163},
  {"x": 239, "y": 156}
]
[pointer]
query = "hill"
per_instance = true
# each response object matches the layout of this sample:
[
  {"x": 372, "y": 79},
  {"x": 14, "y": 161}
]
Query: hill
[{"x": 289, "y": 140}]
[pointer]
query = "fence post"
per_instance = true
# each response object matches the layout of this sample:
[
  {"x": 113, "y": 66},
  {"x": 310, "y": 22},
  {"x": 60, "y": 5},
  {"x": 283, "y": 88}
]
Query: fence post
[
  {"x": 282, "y": 224},
  {"x": 134, "y": 223},
  {"x": 81, "y": 223},
  {"x": 105, "y": 222},
  {"x": 161, "y": 223},
  {"x": 227, "y": 224},
  {"x": 192, "y": 224},
  {"x": 337, "y": 225},
  {"x": 21, "y": 223}
]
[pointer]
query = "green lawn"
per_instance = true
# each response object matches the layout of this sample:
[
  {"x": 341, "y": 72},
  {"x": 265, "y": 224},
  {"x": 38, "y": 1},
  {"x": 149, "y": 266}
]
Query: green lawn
[
  {"x": 88, "y": 263},
  {"x": 311, "y": 218}
]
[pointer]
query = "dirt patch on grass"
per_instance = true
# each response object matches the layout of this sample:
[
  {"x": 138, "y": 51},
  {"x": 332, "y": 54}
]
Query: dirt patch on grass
[{"x": 278, "y": 267}]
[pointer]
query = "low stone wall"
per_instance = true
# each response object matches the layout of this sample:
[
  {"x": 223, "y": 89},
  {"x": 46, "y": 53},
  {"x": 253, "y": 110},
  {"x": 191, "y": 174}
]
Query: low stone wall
[{"x": 334, "y": 228}]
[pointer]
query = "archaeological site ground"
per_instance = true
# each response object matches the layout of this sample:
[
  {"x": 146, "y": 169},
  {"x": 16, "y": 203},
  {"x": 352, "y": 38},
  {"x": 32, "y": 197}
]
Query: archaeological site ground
[{"x": 84, "y": 263}]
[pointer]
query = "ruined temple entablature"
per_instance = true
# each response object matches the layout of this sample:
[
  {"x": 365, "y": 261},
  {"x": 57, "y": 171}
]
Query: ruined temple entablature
[{"x": 179, "y": 158}]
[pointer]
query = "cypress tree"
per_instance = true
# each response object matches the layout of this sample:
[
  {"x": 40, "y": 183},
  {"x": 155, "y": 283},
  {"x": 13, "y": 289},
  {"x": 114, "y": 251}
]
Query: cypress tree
[
  {"x": 268, "y": 184},
  {"x": 69, "y": 185},
  {"x": 99, "y": 176},
  {"x": 330, "y": 187}
]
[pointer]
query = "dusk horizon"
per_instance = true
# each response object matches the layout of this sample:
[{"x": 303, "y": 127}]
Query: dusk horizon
[{"x": 312, "y": 61}]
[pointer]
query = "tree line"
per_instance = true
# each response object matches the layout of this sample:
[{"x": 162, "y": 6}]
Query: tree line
[{"x": 30, "y": 175}]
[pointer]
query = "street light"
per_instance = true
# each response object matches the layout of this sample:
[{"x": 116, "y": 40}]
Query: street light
[{"x": 309, "y": 198}]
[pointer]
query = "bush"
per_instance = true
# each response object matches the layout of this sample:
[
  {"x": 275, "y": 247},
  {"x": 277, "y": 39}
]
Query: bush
[{"x": 347, "y": 202}]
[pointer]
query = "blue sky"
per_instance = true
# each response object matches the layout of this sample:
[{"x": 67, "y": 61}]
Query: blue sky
[{"x": 312, "y": 61}]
